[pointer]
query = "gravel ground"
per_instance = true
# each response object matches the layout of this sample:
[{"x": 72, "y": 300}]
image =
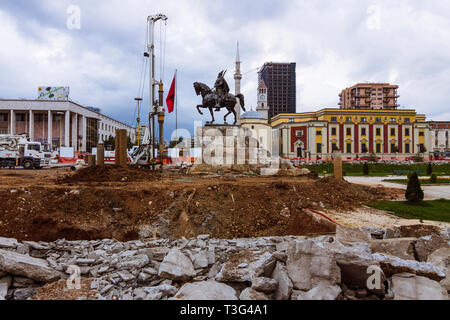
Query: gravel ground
[
  {"x": 370, "y": 217},
  {"x": 431, "y": 192}
]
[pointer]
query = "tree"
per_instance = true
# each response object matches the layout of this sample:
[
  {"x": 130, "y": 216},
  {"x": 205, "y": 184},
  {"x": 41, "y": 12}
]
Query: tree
[
  {"x": 373, "y": 158},
  {"x": 366, "y": 169},
  {"x": 422, "y": 148},
  {"x": 414, "y": 193},
  {"x": 433, "y": 178},
  {"x": 335, "y": 148},
  {"x": 418, "y": 158},
  {"x": 130, "y": 143},
  {"x": 110, "y": 143},
  {"x": 429, "y": 169}
]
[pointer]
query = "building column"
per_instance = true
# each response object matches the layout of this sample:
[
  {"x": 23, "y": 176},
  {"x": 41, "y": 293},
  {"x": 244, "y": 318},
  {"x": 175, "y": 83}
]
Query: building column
[
  {"x": 50, "y": 129},
  {"x": 31, "y": 126},
  {"x": 12, "y": 127},
  {"x": 75, "y": 131},
  {"x": 66, "y": 129},
  {"x": 84, "y": 126},
  {"x": 385, "y": 139}
]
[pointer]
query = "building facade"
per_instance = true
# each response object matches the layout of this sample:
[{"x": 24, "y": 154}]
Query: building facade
[
  {"x": 385, "y": 133},
  {"x": 259, "y": 127},
  {"x": 60, "y": 123},
  {"x": 440, "y": 138},
  {"x": 280, "y": 82},
  {"x": 374, "y": 96}
]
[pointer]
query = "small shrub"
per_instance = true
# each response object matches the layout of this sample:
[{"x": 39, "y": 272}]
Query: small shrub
[
  {"x": 418, "y": 158},
  {"x": 366, "y": 169},
  {"x": 414, "y": 192},
  {"x": 429, "y": 169},
  {"x": 433, "y": 178},
  {"x": 313, "y": 175},
  {"x": 373, "y": 158}
]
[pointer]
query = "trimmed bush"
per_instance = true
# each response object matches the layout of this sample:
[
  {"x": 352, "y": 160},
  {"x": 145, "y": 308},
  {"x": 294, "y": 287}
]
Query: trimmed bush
[
  {"x": 366, "y": 169},
  {"x": 414, "y": 192}
]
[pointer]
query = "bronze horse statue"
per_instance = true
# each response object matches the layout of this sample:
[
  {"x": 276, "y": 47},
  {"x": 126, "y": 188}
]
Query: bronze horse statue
[{"x": 221, "y": 98}]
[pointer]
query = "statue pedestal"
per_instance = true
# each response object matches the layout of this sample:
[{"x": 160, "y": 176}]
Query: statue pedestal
[{"x": 226, "y": 145}]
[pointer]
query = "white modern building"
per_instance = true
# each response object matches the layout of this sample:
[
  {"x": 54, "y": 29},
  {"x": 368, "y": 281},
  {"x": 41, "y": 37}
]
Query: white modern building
[{"x": 59, "y": 123}]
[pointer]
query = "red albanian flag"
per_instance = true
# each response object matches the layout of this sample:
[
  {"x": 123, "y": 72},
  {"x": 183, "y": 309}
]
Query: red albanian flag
[{"x": 170, "y": 101}]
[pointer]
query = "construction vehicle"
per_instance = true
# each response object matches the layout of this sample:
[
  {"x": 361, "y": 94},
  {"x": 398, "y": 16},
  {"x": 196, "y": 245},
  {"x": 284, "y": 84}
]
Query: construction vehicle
[{"x": 19, "y": 151}]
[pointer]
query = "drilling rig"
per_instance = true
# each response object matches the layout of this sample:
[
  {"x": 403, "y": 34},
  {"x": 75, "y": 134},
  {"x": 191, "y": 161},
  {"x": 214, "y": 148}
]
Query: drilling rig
[{"x": 146, "y": 151}]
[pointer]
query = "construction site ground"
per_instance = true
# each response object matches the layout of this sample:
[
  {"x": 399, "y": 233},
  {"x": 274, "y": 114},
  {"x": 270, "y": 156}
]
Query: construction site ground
[{"x": 132, "y": 203}]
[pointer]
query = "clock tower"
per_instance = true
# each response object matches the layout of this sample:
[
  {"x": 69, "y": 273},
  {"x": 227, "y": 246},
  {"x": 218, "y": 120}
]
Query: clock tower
[{"x": 262, "y": 107}]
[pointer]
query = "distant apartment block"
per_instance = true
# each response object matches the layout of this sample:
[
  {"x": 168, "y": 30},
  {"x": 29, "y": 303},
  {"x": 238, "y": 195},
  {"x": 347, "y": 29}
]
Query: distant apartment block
[
  {"x": 374, "y": 96},
  {"x": 440, "y": 138},
  {"x": 280, "y": 80}
]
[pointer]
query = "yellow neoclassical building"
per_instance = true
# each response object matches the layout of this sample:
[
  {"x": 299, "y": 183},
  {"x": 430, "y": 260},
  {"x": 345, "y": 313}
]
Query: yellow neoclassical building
[{"x": 386, "y": 133}]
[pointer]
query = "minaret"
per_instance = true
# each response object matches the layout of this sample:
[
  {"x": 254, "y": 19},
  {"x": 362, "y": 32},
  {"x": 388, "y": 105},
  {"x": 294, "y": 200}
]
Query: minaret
[{"x": 237, "y": 84}]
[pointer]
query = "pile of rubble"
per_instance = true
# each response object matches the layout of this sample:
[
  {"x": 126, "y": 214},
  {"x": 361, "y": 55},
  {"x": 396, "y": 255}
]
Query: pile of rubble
[
  {"x": 282, "y": 168},
  {"x": 354, "y": 264}
]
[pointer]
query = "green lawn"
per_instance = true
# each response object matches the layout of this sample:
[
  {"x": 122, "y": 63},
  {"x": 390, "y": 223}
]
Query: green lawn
[
  {"x": 371, "y": 174},
  {"x": 382, "y": 169},
  {"x": 436, "y": 210},
  {"x": 422, "y": 181}
]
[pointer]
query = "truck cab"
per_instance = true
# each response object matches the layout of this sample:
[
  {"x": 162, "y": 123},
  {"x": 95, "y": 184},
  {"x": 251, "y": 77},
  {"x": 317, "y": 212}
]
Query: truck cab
[
  {"x": 18, "y": 150},
  {"x": 32, "y": 155}
]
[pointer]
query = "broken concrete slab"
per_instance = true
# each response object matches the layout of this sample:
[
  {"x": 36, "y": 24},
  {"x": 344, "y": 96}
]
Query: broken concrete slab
[
  {"x": 349, "y": 235},
  {"x": 425, "y": 246},
  {"x": 310, "y": 262},
  {"x": 25, "y": 293},
  {"x": 356, "y": 271},
  {"x": 8, "y": 243},
  {"x": 284, "y": 289},
  {"x": 176, "y": 266},
  {"x": 323, "y": 291},
  {"x": 399, "y": 247},
  {"x": 159, "y": 292},
  {"x": 392, "y": 265},
  {"x": 26, "y": 266},
  {"x": 441, "y": 259},
  {"x": 134, "y": 262},
  {"x": 246, "y": 266},
  {"x": 250, "y": 294},
  {"x": 5, "y": 283},
  {"x": 264, "y": 284},
  {"x": 407, "y": 286},
  {"x": 206, "y": 290}
]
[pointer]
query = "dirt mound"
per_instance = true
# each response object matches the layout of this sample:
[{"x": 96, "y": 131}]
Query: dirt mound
[
  {"x": 111, "y": 173},
  {"x": 174, "y": 208},
  {"x": 59, "y": 291}
]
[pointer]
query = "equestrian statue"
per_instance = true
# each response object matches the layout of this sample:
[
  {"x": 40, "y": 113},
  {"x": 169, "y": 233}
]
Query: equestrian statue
[{"x": 219, "y": 98}]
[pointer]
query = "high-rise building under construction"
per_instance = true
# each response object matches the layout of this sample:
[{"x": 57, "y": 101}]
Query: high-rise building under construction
[{"x": 280, "y": 80}]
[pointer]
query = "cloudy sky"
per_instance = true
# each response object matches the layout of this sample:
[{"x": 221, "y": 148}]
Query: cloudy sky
[{"x": 334, "y": 43}]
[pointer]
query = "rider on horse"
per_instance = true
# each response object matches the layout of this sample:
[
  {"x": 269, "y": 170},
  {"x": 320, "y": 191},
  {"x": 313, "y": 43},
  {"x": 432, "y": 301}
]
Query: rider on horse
[{"x": 222, "y": 89}]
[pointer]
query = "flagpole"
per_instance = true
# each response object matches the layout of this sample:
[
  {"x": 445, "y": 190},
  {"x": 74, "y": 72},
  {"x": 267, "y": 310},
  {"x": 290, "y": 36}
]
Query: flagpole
[{"x": 176, "y": 104}]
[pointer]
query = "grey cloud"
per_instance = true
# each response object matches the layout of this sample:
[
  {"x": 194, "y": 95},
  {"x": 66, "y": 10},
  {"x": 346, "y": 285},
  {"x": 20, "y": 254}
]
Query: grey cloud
[{"x": 329, "y": 40}]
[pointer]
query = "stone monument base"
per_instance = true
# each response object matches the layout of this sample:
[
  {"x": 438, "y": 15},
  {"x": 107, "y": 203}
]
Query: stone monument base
[{"x": 227, "y": 145}]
